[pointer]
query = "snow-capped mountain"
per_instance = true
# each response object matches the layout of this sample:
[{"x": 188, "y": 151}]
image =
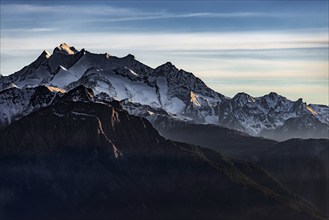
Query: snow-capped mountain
[
  {"x": 263, "y": 115},
  {"x": 16, "y": 103},
  {"x": 166, "y": 88}
]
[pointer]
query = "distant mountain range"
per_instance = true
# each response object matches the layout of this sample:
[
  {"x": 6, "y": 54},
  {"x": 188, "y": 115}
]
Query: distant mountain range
[
  {"x": 83, "y": 136},
  {"x": 164, "y": 90}
]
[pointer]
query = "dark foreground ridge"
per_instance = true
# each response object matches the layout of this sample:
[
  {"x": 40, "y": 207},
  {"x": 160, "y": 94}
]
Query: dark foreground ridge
[
  {"x": 86, "y": 160},
  {"x": 301, "y": 165}
]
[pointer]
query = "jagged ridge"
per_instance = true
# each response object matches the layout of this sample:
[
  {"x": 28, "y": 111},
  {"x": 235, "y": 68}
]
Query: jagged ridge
[{"x": 178, "y": 92}]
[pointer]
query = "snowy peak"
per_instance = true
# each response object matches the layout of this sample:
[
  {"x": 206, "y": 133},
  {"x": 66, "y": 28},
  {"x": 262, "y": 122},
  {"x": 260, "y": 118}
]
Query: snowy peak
[
  {"x": 79, "y": 93},
  {"x": 65, "y": 49},
  {"x": 273, "y": 100},
  {"x": 43, "y": 57},
  {"x": 242, "y": 99},
  {"x": 46, "y": 54},
  {"x": 167, "y": 69},
  {"x": 129, "y": 57},
  {"x": 272, "y": 96},
  {"x": 299, "y": 106}
]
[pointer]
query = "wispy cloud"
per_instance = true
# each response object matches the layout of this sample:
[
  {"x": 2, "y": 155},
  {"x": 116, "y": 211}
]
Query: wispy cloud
[
  {"x": 174, "y": 41},
  {"x": 117, "y": 14},
  {"x": 31, "y": 30},
  {"x": 64, "y": 9},
  {"x": 166, "y": 15},
  {"x": 29, "y": 18},
  {"x": 98, "y": 18}
]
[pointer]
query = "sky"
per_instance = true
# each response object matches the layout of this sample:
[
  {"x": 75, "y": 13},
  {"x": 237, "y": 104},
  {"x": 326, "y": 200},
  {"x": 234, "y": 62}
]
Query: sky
[{"x": 234, "y": 46}]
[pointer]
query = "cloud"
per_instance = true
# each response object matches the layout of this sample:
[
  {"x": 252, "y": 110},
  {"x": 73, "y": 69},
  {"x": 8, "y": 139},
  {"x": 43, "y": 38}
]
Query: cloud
[
  {"x": 165, "y": 15},
  {"x": 62, "y": 9},
  {"x": 30, "y": 18},
  {"x": 31, "y": 30},
  {"x": 105, "y": 13},
  {"x": 170, "y": 41},
  {"x": 97, "y": 18}
]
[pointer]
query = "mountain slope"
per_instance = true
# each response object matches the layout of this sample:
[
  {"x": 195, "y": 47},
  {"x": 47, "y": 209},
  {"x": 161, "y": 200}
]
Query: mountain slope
[
  {"x": 87, "y": 160},
  {"x": 302, "y": 165},
  {"x": 176, "y": 91},
  {"x": 16, "y": 103},
  {"x": 227, "y": 141}
]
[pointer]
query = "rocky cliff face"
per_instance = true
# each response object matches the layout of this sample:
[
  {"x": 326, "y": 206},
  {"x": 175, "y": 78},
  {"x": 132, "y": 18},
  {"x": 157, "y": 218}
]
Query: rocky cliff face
[{"x": 87, "y": 160}]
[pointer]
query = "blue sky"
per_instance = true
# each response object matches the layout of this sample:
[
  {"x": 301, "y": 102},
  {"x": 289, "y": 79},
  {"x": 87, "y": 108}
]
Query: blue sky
[{"x": 251, "y": 46}]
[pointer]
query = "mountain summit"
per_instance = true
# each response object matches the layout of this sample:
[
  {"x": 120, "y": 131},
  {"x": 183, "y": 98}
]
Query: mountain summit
[
  {"x": 179, "y": 93},
  {"x": 66, "y": 49}
]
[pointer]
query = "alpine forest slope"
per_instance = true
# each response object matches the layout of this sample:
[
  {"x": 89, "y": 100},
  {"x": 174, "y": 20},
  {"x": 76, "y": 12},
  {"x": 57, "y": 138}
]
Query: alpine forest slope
[
  {"x": 83, "y": 159},
  {"x": 166, "y": 90}
]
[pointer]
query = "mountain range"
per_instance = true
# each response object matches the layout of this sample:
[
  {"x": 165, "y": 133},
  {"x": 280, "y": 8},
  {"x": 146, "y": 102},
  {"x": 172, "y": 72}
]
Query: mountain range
[
  {"x": 94, "y": 136},
  {"x": 165, "y": 90}
]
